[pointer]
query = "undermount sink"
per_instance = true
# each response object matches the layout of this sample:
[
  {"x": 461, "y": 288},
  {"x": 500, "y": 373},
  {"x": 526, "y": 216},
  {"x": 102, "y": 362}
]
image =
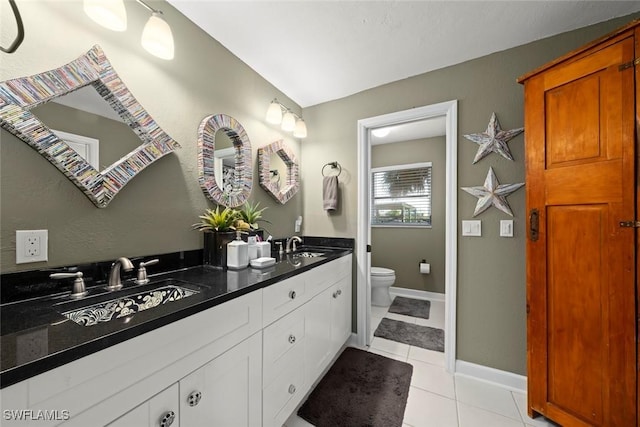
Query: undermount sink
[
  {"x": 165, "y": 292},
  {"x": 307, "y": 254}
]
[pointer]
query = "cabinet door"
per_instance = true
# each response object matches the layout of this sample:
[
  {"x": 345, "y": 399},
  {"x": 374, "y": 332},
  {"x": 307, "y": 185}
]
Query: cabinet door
[
  {"x": 318, "y": 348},
  {"x": 340, "y": 313},
  {"x": 162, "y": 410},
  {"x": 226, "y": 391},
  {"x": 580, "y": 263}
]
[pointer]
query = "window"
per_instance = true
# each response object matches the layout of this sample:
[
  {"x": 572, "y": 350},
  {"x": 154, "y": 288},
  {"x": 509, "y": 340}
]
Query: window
[{"x": 401, "y": 195}]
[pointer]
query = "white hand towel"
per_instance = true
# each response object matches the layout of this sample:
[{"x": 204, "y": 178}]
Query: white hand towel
[{"x": 330, "y": 193}]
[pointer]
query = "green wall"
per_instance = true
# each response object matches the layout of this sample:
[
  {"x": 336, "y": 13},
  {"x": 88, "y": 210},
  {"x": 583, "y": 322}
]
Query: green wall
[
  {"x": 402, "y": 249},
  {"x": 155, "y": 211},
  {"x": 491, "y": 316}
]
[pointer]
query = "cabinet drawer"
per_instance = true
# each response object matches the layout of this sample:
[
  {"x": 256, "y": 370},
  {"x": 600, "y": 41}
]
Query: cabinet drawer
[
  {"x": 282, "y": 298},
  {"x": 284, "y": 394},
  {"x": 281, "y": 339},
  {"x": 320, "y": 278}
]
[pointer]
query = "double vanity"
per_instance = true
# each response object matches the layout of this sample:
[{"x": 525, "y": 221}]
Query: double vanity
[{"x": 195, "y": 346}]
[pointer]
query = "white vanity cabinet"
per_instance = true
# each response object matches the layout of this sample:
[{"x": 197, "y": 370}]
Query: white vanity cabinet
[
  {"x": 161, "y": 410},
  {"x": 225, "y": 391},
  {"x": 247, "y": 362},
  {"x": 304, "y": 335}
]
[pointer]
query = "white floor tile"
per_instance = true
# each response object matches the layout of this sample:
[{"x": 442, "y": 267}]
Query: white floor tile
[
  {"x": 432, "y": 378},
  {"x": 389, "y": 355},
  {"x": 378, "y": 311},
  {"x": 486, "y": 396},
  {"x": 390, "y": 346},
  {"x": 521, "y": 403},
  {"x": 425, "y": 409},
  {"x": 375, "y": 322},
  {"x": 427, "y": 356},
  {"x": 471, "y": 416}
]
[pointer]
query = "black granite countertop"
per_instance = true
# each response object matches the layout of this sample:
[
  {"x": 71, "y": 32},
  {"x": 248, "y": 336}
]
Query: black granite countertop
[{"x": 36, "y": 337}]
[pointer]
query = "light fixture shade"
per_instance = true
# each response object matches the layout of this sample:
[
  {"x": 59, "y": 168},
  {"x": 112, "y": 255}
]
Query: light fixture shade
[
  {"x": 110, "y": 14},
  {"x": 301, "y": 129},
  {"x": 157, "y": 38},
  {"x": 274, "y": 113},
  {"x": 288, "y": 122},
  {"x": 381, "y": 132}
]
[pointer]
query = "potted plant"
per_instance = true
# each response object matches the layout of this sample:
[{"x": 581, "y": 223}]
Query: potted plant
[
  {"x": 218, "y": 227},
  {"x": 248, "y": 218}
]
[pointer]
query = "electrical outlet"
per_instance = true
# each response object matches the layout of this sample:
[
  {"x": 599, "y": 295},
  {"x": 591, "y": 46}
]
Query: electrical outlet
[{"x": 31, "y": 246}]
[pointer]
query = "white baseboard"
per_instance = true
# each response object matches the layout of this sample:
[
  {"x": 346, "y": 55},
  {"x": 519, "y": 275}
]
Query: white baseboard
[
  {"x": 494, "y": 376},
  {"x": 415, "y": 293}
]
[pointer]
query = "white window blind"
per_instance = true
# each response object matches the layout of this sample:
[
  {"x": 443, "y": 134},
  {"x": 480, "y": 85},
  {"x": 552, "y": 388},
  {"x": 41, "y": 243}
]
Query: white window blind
[{"x": 401, "y": 195}]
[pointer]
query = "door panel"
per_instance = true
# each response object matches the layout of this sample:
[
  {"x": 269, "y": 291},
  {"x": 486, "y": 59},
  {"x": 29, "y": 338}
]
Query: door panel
[{"x": 581, "y": 271}]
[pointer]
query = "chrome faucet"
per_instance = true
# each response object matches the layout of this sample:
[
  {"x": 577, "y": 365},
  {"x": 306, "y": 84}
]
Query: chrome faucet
[
  {"x": 115, "y": 282},
  {"x": 293, "y": 240}
]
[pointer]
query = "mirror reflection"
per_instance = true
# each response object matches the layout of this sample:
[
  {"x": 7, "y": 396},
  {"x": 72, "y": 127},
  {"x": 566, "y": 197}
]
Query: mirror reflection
[
  {"x": 278, "y": 170},
  {"x": 86, "y": 122},
  {"x": 225, "y": 162}
]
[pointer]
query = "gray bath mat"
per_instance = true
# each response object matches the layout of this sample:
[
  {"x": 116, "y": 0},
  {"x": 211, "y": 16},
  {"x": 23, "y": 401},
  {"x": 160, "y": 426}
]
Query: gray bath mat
[
  {"x": 408, "y": 333},
  {"x": 360, "y": 389},
  {"x": 411, "y": 307}
]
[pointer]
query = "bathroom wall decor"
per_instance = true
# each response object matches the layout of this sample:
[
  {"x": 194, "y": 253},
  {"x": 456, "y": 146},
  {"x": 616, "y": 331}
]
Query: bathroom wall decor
[
  {"x": 240, "y": 186},
  {"x": 291, "y": 185},
  {"x": 493, "y": 140},
  {"x": 492, "y": 194},
  {"x": 18, "y": 96}
]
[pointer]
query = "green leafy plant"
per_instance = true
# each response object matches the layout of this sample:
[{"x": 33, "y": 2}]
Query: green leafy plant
[
  {"x": 217, "y": 220},
  {"x": 250, "y": 215}
]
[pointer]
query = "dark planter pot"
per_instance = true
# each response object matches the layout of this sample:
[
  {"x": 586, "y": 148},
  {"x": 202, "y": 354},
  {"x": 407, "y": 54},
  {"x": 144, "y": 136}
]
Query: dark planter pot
[{"x": 215, "y": 247}]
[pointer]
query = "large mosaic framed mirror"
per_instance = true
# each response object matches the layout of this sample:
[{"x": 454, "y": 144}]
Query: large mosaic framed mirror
[
  {"x": 93, "y": 75},
  {"x": 224, "y": 160},
  {"x": 269, "y": 158}
]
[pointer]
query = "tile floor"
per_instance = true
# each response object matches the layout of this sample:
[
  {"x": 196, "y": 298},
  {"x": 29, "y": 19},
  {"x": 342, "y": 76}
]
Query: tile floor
[{"x": 439, "y": 399}]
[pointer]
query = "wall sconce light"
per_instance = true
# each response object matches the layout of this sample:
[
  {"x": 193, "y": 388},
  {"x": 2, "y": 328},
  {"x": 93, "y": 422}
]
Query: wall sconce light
[
  {"x": 289, "y": 121},
  {"x": 157, "y": 38}
]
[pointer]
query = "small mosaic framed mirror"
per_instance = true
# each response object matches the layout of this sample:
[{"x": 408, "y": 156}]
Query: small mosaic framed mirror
[
  {"x": 224, "y": 160},
  {"x": 267, "y": 159},
  {"x": 21, "y": 103}
]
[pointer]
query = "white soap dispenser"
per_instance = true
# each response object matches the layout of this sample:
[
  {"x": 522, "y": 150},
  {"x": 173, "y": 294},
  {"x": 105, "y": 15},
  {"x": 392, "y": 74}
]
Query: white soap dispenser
[{"x": 237, "y": 253}]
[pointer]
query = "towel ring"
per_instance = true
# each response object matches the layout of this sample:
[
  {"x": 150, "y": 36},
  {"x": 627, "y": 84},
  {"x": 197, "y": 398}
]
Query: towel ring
[{"x": 334, "y": 165}]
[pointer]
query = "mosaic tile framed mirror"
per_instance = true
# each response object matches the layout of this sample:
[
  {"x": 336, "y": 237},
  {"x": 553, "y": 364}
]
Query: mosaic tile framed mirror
[
  {"x": 268, "y": 156},
  {"x": 224, "y": 160},
  {"x": 21, "y": 100}
]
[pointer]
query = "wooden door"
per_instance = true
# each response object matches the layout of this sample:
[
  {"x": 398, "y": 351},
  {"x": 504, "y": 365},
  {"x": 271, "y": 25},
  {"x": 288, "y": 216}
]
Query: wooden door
[{"x": 580, "y": 144}]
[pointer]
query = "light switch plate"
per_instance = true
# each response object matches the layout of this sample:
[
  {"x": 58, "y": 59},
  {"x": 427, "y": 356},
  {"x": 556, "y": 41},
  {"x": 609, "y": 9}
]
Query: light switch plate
[
  {"x": 31, "y": 246},
  {"x": 506, "y": 228},
  {"x": 472, "y": 228}
]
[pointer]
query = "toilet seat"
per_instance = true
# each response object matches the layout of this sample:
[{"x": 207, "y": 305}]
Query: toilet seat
[{"x": 381, "y": 271}]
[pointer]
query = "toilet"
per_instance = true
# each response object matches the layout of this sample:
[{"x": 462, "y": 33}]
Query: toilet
[{"x": 381, "y": 281}]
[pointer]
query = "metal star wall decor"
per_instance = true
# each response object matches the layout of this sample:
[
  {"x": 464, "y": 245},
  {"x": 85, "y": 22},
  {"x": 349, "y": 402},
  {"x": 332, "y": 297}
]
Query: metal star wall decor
[
  {"x": 492, "y": 194},
  {"x": 494, "y": 139}
]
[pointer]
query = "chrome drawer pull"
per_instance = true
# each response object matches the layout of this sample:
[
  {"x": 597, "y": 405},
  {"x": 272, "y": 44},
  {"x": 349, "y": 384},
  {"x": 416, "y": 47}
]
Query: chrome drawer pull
[
  {"x": 292, "y": 339},
  {"x": 194, "y": 398},
  {"x": 167, "y": 419},
  {"x": 292, "y": 389},
  {"x": 292, "y": 294}
]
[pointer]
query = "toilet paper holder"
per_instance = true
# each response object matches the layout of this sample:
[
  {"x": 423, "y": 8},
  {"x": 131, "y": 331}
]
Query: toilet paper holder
[{"x": 424, "y": 267}]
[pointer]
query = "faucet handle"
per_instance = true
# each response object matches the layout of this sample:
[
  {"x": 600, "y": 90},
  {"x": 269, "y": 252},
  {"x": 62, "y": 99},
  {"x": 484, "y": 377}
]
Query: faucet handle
[
  {"x": 142, "y": 278},
  {"x": 79, "y": 289}
]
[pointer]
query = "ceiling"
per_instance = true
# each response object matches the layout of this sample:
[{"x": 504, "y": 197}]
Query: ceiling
[{"x": 316, "y": 51}]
